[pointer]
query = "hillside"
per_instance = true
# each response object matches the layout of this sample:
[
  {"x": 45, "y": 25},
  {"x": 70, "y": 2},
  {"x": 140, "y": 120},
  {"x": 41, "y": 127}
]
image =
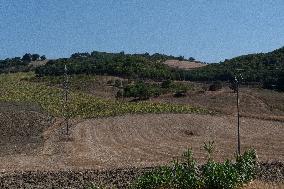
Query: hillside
[
  {"x": 117, "y": 64},
  {"x": 111, "y": 133},
  {"x": 186, "y": 65},
  {"x": 265, "y": 68},
  {"x": 135, "y": 66}
]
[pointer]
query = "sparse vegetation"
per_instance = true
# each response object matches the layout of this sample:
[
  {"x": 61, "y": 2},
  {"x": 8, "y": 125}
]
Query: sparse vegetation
[{"x": 14, "y": 87}]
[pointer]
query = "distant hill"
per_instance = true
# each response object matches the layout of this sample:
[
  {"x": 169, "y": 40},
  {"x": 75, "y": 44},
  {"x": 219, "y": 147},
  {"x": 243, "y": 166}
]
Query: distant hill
[
  {"x": 142, "y": 66},
  {"x": 22, "y": 64},
  {"x": 265, "y": 68}
]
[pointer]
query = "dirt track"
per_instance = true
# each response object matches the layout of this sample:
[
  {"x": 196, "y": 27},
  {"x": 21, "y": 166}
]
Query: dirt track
[{"x": 146, "y": 140}]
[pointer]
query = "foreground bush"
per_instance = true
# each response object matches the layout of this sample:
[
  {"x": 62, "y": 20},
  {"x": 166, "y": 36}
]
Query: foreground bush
[{"x": 185, "y": 174}]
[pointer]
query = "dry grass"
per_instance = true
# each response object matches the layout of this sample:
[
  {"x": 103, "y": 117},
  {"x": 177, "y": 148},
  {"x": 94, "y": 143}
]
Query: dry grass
[
  {"x": 186, "y": 65},
  {"x": 254, "y": 103},
  {"x": 258, "y": 185},
  {"x": 262, "y": 185}
]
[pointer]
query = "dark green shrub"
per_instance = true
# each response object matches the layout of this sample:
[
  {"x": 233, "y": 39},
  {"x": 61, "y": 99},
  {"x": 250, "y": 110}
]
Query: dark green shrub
[
  {"x": 180, "y": 89},
  {"x": 217, "y": 85},
  {"x": 119, "y": 94},
  {"x": 166, "y": 84},
  {"x": 142, "y": 90},
  {"x": 139, "y": 90},
  {"x": 180, "y": 93},
  {"x": 117, "y": 83},
  {"x": 125, "y": 83},
  {"x": 110, "y": 82}
]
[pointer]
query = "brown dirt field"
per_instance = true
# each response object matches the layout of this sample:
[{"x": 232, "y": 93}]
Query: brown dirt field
[
  {"x": 263, "y": 185},
  {"x": 21, "y": 126},
  {"x": 146, "y": 140},
  {"x": 186, "y": 65},
  {"x": 255, "y": 103}
]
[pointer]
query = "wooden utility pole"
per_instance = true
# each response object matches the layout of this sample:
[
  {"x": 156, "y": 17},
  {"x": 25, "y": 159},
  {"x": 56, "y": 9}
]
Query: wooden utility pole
[
  {"x": 238, "y": 109},
  {"x": 66, "y": 109},
  {"x": 237, "y": 80}
]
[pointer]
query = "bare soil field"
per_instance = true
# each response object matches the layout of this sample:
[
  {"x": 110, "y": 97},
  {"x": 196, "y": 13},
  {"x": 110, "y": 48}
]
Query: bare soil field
[
  {"x": 186, "y": 65},
  {"x": 254, "y": 103},
  {"x": 21, "y": 128},
  {"x": 145, "y": 140},
  {"x": 264, "y": 185},
  {"x": 115, "y": 178}
]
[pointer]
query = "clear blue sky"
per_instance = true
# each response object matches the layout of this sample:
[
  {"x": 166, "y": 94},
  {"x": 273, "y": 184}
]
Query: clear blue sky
[{"x": 209, "y": 30}]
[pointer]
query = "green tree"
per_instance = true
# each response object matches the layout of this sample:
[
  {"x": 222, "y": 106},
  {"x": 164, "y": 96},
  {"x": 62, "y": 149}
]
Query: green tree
[
  {"x": 35, "y": 57},
  {"x": 43, "y": 57},
  {"x": 27, "y": 57}
]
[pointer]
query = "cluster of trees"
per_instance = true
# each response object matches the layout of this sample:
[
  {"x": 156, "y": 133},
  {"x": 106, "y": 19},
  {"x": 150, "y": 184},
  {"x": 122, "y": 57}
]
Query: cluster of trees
[
  {"x": 32, "y": 57},
  {"x": 19, "y": 64},
  {"x": 117, "y": 64},
  {"x": 264, "y": 68},
  {"x": 12, "y": 65},
  {"x": 142, "y": 90},
  {"x": 153, "y": 57}
]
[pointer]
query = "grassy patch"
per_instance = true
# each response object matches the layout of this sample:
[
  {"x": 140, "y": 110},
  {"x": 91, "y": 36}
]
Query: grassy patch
[{"x": 16, "y": 88}]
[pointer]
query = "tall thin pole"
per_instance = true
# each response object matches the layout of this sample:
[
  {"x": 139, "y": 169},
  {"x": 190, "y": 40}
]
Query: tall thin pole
[
  {"x": 238, "y": 107},
  {"x": 66, "y": 110}
]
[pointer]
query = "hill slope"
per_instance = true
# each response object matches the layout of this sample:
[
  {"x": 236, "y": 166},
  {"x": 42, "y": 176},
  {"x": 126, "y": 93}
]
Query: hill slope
[
  {"x": 186, "y": 65},
  {"x": 266, "y": 68}
]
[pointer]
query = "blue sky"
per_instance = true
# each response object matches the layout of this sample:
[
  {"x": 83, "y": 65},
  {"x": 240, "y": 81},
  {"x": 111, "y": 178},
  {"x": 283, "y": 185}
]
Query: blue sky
[{"x": 208, "y": 30}]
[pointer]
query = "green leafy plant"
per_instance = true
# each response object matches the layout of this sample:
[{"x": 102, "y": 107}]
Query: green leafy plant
[
  {"x": 220, "y": 175},
  {"x": 184, "y": 174},
  {"x": 181, "y": 175},
  {"x": 245, "y": 164},
  {"x": 209, "y": 148}
]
